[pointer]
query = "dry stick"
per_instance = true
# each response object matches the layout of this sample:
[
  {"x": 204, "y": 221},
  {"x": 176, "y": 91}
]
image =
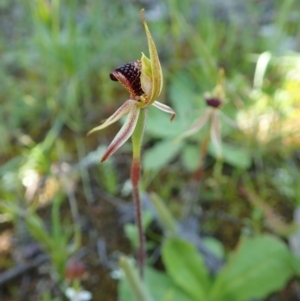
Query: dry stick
[{"x": 22, "y": 268}]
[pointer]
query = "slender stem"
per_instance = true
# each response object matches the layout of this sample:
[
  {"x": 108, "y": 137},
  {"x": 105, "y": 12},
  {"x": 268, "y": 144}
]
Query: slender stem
[
  {"x": 135, "y": 179},
  {"x": 203, "y": 153},
  {"x": 197, "y": 177},
  {"x": 135, "y": 175}
]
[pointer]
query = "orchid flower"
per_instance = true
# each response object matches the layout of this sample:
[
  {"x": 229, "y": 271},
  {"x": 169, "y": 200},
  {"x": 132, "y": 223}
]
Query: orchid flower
[
  {"x": 143, "y": 80},
  {"x": 212, "y": 116}
]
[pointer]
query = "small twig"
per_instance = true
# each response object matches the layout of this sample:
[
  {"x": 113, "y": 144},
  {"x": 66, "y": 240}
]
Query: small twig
[{"x": 21, "y": 269}]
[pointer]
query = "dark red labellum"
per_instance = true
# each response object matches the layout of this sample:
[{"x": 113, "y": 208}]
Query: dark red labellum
[
  {"x": 112, "y": 77},
  {"x": 129, "y": 75},
  {"x": 75, "y": 269},
  {"x": 213, "y": 102}
]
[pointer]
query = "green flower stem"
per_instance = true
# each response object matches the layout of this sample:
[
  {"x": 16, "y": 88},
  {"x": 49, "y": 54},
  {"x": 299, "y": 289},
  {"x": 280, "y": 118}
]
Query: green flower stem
[{"x": 137, "y": 138}]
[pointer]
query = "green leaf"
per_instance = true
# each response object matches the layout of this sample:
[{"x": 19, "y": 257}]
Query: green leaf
[
  {"x": 235, "y": 156},
  {"x": 214, "y": 246},
  {"x": 190, "y": 157},
  {"x": 260, "y": 266},
  {"x": 184, "y": 99},
  {"x": 160, "y": 155},
  {"x": 160, "y": 285},
  {"x": 10, "y": 165},
  {"x": 37, "y": 229},
  {"x": 186, "y": 267},
  {"x": 165, "y": 216},
  {"x": 134, "y": 288},
  {"x": 159, "y": 125}
]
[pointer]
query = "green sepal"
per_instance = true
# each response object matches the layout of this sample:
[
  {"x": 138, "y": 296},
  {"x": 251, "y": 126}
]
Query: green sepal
[
  {"x": 156, "y": 76},
  {"x": 146, "y": 75}
]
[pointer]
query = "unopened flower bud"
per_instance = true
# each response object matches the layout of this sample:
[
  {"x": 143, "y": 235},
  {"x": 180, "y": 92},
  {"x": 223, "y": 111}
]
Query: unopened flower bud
[
  {"x": 213, "y": 102},
  {"x": 75, "y": 270}
]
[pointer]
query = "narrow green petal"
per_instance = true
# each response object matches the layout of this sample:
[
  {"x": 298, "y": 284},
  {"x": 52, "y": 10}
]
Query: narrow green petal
[
  {"x": 124, "y": 133},
  {"x": 228, "y": 120},
  {"x": 157, "y": 77},
  {"x": 146, "y": 75},
  {"x": 137, "y": 287},
  {"x": 123, "y": 110},
  {"x": 164, "y": 108},
  {"x": 197, "y": 125}
]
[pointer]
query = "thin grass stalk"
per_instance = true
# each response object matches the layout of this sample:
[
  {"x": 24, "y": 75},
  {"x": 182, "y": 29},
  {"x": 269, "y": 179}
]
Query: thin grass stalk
[
  {"x": 197, "y": 43},
  {"x": 135, "y": 176},
  {"x": 138, "y": 289}
]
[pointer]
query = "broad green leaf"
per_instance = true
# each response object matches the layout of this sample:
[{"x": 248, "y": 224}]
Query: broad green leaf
[
  {"x": 186, "y": 267},
  {"x": 137, "y": 289},
  {"x": 296, "y": 265},
  {"x": 159, "y": 125},
  {"x": 235, "y": 156},
  {"x": 260, "y": 266},
  {"x": 160, "y": 285},
  {"x": 190, "y": 157},
  {"x": 160, "y": 155},
  {"x": 215, "y": 246},
  {"x": 184, "y": 99}
]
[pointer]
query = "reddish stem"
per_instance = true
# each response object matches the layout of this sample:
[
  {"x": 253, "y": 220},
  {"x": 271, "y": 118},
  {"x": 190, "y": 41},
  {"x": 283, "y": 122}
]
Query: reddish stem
[
  {"x": 135, "y": 179},
  {"x": 203, "y": 153},
  {"x": 196, "y": 182}
]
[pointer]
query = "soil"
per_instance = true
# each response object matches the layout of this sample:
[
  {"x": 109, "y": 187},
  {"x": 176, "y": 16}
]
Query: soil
[
  {"x": 103, "y": 240},
  {"x": 102, "y": 236}
]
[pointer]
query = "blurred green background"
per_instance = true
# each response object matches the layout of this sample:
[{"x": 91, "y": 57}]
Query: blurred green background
[{"x": 55, "y": 60}]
